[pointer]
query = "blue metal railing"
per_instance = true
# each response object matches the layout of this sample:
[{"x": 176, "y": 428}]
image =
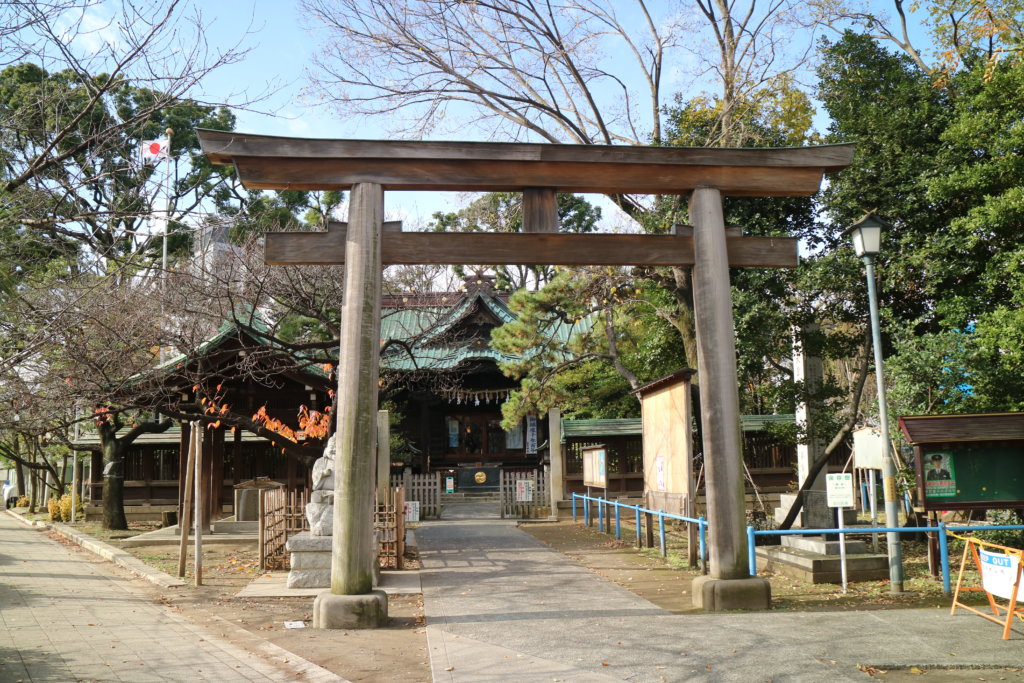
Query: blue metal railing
[{"x": 702, "y": 524}]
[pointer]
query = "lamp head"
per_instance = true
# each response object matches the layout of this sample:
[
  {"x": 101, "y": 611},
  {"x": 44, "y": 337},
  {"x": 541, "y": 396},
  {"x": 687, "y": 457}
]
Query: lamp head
[{"x": 866, "y": 234}]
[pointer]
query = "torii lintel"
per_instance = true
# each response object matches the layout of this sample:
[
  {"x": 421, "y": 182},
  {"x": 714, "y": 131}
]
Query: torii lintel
[{"x": 568, "y": 249}]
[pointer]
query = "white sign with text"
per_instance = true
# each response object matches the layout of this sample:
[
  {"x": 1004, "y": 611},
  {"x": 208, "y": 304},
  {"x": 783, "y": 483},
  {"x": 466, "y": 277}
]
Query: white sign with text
[
  {"x": 998, "y": 572},
  {"x": 839, "y": 490}
]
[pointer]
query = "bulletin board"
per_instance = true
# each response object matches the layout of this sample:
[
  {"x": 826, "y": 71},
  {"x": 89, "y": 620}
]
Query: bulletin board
[{"x": 981, "y": 475}]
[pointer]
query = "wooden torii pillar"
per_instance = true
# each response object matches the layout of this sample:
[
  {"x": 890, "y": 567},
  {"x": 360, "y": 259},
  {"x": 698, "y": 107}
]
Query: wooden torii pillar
[{"x": 366, "y": 244}]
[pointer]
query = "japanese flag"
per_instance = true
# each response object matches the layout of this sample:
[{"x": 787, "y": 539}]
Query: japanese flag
[{"x": 154, "y": 150}]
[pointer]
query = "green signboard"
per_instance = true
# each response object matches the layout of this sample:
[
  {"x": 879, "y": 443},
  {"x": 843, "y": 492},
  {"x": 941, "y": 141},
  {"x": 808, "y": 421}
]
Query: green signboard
[{"x": 971, "y": 475}]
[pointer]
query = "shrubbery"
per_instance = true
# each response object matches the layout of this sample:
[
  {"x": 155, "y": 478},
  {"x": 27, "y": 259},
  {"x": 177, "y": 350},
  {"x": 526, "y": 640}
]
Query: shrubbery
[{"x": 60, "y": 508}]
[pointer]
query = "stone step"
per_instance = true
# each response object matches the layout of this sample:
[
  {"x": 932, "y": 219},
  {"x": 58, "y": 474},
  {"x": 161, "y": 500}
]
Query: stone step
[
  {"x": 817, "y": 568},
  {"x": 817, "y": 544},
  {"x": 474, "y": 496},
  {"x": 230, "y": 526}
]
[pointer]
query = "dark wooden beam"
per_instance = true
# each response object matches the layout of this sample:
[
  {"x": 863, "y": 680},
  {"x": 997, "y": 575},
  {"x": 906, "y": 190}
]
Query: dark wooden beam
[
  {"x": 268, "y": 162},
  {"x": 540, "y": 209},
  {"x": 510, "y": 176},
  {"x": 405, "y": 248},
  {"x": 223, "y": 146}
]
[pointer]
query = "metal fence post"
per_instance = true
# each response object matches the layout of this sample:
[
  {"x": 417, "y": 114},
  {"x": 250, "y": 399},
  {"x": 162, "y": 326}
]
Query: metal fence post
[
  {"x": 944, "y": 558},
  {"x": 751, "y": 551},
  {"x": 661, "y": 532},
  {"x": 618, "y": 523},
  {"x": 639, "y": 529},
  {"x": 574, "y": 508},
  {"x": 703, "y": 542}
]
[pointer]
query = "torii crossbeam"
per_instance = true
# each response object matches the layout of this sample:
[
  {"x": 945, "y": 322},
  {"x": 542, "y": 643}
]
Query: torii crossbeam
[{"x": 366, "y": 243}]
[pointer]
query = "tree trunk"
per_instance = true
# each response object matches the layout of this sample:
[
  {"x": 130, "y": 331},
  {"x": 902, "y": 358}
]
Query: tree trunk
[
  {"x": 34, "y": 493},
  {"x": 19, "y": 474},
  {"x": 77, "y": 476},
  {"x": 57, "y": 487},
  {"x": 113, "y": 485}
]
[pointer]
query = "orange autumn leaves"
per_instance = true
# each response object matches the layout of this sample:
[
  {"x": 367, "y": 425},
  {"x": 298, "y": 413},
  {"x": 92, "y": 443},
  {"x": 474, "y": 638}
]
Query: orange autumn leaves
[{"x": 313, "y": 424}]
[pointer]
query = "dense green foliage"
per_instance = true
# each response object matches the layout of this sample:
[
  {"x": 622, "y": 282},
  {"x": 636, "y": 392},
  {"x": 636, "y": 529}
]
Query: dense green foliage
[{"x": 941, "y": 161}]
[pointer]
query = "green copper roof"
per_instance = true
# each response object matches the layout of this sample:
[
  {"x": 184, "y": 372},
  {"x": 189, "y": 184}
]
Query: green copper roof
[
  {"x": 631, "y": 426},
  {"x": 579, "y": 429},
  {"x": 423, "y": 330}
]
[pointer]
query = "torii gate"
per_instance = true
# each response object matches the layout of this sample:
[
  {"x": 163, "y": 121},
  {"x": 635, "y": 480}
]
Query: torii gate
[{"x": 366, "y": 243}]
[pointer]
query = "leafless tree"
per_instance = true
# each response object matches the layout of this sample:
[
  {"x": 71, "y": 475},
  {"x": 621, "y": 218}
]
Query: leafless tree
[
  {"x": 579, "y": 71},
  {"x": 154, "y": 44},
  {"x": 561, "y": 71}
]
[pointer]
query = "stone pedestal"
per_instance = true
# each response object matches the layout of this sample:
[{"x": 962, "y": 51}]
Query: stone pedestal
[
  {"x": 310, "y": 558},
  {"x": 367, "y": 610},
  {"x": 310, "y": 561},
  {"x": 717, "y": 595}
]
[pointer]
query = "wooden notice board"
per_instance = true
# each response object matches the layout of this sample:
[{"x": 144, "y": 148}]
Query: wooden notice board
[
  {"x": 968, "y": 461},
  {"x": 595, "y": 467}
]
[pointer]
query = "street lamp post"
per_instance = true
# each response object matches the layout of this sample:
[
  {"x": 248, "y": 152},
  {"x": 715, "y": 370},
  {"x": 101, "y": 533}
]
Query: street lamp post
[{"x": 866, "y": 235}]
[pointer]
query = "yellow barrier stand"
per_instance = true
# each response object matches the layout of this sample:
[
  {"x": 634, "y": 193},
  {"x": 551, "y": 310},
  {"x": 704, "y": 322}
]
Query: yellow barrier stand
[{"x": 1000, "y": 576}]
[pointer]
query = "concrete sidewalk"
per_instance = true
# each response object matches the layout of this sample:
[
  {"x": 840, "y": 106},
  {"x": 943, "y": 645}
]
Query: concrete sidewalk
[
  {"x": 501, "y": 606},
  {"x": 67, "y": 618}
]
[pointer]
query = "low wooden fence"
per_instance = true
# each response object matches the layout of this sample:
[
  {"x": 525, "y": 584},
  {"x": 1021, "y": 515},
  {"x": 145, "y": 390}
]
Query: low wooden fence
[
  {"x": 282, "y": 515},
  {"x": 389, "y": 528},
  {"x": 424, "y": 488},
  {"x": 524, "y": 494}
]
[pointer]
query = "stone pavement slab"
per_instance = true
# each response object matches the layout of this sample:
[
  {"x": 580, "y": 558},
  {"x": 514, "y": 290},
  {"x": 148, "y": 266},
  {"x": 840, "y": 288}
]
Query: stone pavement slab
[
  {"x": 501, "y": 606},
  {"x": 65, "y": 617}
]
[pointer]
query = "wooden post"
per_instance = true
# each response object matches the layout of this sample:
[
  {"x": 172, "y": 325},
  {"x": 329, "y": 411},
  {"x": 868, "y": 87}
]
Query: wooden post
[
  {"x": 556, "y": 480},
  {"x": 262, "y": 533},
  {"x": 383, "y": 454},
  {"x": 199, "y": 435},
  {"x": 217, "y": 473},
  {"x": 184, "y": 444},
  {"x": 352, "y": 546},
  {"x": 720, "y": 414},
  {"x": 186, "y": 510},
  {"x": 540, "y": 210},
  {"x": 203, "y": 477},
  {"x": 236, "y": 456},
  {"x": 74, "y": 487}
]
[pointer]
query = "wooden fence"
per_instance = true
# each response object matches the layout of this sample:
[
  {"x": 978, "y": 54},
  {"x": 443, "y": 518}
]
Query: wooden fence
[
  {"x": 524, "y": 494},
  {"x": 282, "y": 515},
  {"x": 425, "y": 488},
  {"x": 389, "y": 527}
]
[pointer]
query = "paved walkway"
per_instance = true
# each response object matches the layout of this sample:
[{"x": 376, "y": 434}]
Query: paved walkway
[
  {"x": 501, "y": 606},
  {"x": 65, "y": 617}
]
